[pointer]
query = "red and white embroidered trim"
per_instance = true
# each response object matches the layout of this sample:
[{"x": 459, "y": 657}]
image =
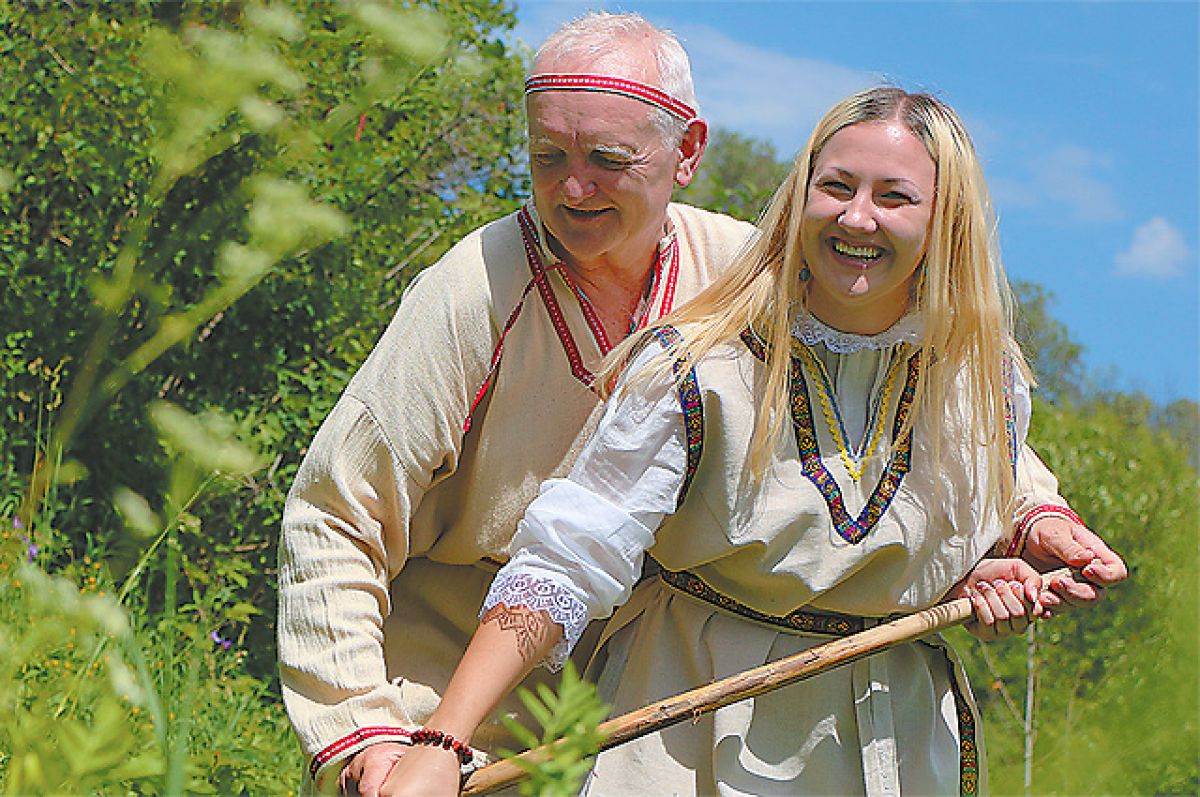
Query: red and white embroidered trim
[
  {"x": 611, "y": 85},
  {"x": 667, "y": 261},
  {"x": 352, "y": 739},
  {"x": 1045, "y": 510}
]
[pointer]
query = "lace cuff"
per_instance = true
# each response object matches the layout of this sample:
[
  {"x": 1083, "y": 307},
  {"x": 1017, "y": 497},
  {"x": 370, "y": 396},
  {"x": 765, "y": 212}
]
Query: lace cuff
[{"x": 542, "y": 594}]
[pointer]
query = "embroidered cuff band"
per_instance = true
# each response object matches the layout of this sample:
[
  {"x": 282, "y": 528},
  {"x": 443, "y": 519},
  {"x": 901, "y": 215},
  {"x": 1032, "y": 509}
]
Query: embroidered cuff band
[
  {"x": 1017, "y": 546},
  {"x": 611, "y": 85}
]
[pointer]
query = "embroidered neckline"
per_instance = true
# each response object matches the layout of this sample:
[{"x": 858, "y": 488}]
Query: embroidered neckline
[
  {"x": 664, "y": 276},
  {"x": 852, "y": 529},
  {"x": 852, "y": 458},
  {"x": 811, "y": 330}
]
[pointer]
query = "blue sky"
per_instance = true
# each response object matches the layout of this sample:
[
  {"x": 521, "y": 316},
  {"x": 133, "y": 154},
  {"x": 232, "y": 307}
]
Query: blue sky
[{"x": 1085, "y": 114}]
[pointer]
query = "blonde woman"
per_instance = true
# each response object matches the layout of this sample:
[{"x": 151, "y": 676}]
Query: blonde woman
[{"x": 831, "y": 434}]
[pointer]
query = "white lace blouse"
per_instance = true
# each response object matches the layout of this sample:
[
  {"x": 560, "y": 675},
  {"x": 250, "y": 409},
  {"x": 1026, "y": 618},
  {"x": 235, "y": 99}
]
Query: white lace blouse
[{"x": 579, "y": 548}]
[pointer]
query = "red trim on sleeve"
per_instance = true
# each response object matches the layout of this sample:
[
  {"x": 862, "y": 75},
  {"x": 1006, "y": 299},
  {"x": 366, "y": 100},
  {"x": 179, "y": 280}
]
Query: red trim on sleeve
[{"x": 361, "y": 735}]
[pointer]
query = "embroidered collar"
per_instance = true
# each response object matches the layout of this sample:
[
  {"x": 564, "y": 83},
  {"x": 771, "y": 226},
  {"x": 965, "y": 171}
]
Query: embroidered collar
[{"x": 810, "y": 331}]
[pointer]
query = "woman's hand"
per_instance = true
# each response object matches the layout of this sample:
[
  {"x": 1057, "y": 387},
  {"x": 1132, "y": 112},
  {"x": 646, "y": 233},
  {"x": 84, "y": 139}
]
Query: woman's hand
[
  {"x": 1055, "y": 541},
  {"x": 365, "y": 773},
  {"x": 1007, "y": 596},
  {"x": 424, "y": 771}
]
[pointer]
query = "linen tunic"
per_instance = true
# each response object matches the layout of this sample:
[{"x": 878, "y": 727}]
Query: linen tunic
[
  {"x": 398, "y": 518},
  {"x": 809, "y": 537}
]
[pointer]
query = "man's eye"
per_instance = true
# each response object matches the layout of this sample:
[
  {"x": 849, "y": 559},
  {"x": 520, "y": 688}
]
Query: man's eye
[
  {"x": 607, "y": 161},
  {"x": 546, "y": 158}
]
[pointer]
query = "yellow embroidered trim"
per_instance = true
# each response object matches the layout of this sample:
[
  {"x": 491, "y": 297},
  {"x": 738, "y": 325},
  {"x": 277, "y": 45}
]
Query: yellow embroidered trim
[{"x": 855, "y": 463}]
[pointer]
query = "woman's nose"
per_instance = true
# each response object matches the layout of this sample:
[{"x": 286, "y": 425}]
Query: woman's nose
[{"x": 859, "y": 215}]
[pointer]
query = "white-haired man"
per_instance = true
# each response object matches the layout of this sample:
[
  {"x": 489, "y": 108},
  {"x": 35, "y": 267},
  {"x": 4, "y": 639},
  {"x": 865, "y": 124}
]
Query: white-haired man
[{"x": 481, "y": 388}]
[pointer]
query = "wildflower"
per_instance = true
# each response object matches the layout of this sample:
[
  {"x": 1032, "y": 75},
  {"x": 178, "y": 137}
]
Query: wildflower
[
  {"x": 31, "y": 550},
  {"x": 219, "y": 641}
]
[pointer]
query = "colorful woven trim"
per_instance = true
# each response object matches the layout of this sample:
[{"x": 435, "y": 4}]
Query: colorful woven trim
[
  {"x": 968, "y": 744},
  {"x": 690, "y": 404},
  {"x": 852, "y": 530},
  {"x": 353, "y": 739},
  {"x": 852, "y": 459},
  {"x": 1017, "y": 546},
  {"x": 797, "y": 621},
  {"x": 611, "y": 85}
]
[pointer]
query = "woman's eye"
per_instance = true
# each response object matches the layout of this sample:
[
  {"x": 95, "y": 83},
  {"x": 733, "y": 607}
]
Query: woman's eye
[
  {"x": 898, "y": 198},
  {"x": 836, "y": 187}
]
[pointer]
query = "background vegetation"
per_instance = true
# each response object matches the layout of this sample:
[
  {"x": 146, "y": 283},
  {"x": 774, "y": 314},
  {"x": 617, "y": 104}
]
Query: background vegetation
[{"x": 207, "y": 215}]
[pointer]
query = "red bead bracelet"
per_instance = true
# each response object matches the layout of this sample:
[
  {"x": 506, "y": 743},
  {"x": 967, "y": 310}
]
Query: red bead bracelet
[{"x": 436, "y": 738}]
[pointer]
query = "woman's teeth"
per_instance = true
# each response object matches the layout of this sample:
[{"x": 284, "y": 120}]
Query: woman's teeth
[{"x": 860, "y": 252}]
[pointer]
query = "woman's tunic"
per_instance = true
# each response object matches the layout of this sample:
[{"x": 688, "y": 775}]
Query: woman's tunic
[{"x": 842, "y": 530}]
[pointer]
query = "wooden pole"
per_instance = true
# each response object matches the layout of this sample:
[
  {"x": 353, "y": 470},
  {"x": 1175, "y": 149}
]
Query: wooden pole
[{"x": 753, "y": 682}]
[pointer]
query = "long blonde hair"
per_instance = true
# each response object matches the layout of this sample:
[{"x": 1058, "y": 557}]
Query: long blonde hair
[{"x": 961, "y": 288}]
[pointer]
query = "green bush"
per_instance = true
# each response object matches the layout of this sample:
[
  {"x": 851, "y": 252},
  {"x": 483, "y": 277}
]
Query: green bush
[{"x": 208, "y": 213}]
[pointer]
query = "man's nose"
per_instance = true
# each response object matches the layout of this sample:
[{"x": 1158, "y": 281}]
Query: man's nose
[{"x": 578, "y": 185}]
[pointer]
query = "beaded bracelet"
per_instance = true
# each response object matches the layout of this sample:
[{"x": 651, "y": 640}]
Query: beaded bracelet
[{"x": 435, "y": 738}]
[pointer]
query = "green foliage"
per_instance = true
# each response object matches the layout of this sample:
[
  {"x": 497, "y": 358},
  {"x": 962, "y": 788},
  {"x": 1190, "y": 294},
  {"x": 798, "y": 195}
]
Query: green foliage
[
  {"x": 1117, "y": 701},
  {"x": 1056, "y": 360},
  {"x": 570, "y": 715},
  {"x": 206, "y": 214},
  {"x": 738, "y": 177}
]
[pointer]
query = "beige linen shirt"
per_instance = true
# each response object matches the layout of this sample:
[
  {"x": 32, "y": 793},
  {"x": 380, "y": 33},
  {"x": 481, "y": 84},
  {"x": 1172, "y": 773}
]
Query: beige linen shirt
[{"x": 398, "y": 518}]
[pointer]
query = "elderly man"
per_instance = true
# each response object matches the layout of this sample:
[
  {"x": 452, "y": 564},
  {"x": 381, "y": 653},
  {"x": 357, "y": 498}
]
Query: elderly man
[{"x": 481, "y": 388}]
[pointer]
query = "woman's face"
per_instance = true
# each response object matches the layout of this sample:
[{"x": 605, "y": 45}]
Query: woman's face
[{"x": 865, "y": 225}]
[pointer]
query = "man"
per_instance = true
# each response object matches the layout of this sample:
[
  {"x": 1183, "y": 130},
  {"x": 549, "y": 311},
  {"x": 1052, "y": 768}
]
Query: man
[{"x": 481, "y": 388}]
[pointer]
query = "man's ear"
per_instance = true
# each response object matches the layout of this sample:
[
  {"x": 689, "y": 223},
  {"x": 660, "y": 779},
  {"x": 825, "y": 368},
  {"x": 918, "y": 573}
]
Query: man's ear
[{"x": 691, "y": 150}]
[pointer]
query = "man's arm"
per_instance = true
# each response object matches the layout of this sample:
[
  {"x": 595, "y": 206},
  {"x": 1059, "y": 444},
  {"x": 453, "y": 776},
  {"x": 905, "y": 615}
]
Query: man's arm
[{"x": 346, "y": 526}]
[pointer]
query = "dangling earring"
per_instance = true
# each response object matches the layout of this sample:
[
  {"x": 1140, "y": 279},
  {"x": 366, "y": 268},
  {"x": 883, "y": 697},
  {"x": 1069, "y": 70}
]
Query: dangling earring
[{"x": 805, "y": 274}]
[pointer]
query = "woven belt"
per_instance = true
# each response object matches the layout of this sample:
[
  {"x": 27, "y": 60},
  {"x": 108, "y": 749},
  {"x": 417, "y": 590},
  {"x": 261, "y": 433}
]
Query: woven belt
[{"x": 797, "y": 621}]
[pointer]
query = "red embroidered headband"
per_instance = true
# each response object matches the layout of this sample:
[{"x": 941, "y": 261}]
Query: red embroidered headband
[{"x": 611, "y": 85}]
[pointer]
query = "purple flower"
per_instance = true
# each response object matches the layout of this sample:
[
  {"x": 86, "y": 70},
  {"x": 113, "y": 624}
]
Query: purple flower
[
  {"x": 221, "y": 642},
  {"x": 17, "y": 524},
  {"x": 31, "y": 550}
]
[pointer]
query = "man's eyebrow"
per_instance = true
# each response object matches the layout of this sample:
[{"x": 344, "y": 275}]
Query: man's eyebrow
[{"x": 616, "y": 149}]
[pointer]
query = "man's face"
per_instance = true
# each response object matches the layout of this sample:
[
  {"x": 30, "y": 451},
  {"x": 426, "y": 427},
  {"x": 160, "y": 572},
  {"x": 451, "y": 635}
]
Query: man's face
[{"x": 602, "y": 176}]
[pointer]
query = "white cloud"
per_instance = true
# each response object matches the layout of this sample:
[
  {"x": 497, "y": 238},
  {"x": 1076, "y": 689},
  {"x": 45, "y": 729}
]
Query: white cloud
[
  {"x": 764, "y": 93},
  {"x": 1158, "y": 249},
  {"x": 1066, "y": 177},
  {"x": 1065, "y": 181}
]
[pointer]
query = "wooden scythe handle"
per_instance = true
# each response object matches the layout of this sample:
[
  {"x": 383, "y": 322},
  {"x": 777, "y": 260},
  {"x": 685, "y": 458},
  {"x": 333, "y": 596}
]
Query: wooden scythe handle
[{"x": 756, "y": 681}]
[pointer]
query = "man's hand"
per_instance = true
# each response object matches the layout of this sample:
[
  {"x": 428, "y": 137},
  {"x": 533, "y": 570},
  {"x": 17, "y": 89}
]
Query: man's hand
[
  {"x": 1006, "y": 594},
  {"x": 1055, "y": 541},
  {"x": 365, "y": 773}
]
